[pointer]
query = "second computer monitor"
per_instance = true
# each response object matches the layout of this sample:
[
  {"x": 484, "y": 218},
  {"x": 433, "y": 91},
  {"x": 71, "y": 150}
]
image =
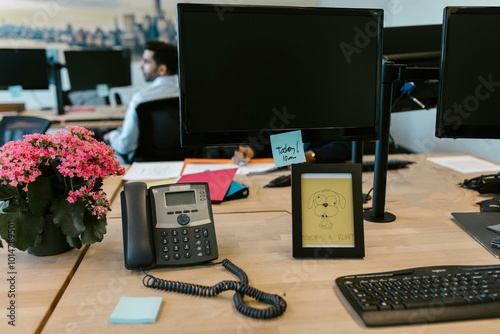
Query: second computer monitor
[
  {"x": 26, "y": 68},
  {"x": 89, "y": 68},
  {"x": 469, "y": 95}
]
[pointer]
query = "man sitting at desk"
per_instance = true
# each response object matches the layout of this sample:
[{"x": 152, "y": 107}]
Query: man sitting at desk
[{"x": 159, "y": 65}]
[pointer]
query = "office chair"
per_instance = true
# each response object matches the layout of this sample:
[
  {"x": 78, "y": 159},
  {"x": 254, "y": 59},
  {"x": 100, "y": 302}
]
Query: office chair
[
  {"x": 15, "y": 127},
  {"x": 159, "y": 132}
]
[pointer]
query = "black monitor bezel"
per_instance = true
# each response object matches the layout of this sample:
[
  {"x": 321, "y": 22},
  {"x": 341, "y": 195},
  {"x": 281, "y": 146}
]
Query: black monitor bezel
[
  {"x": 73, "y": 67},
  {"x": 443, "y": 130},
  {"x": 38, "y": 81},
  {"x": 263, "y": 135}
]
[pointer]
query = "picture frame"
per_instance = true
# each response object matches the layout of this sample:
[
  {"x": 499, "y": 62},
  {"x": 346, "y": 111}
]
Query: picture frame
[{"x": 327, "y": 211}]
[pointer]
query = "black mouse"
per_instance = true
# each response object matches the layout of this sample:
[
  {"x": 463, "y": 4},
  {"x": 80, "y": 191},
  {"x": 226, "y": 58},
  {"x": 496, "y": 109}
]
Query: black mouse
[
  {"x": 280, "y": 181},
  {"x": 490, "y": 205}
]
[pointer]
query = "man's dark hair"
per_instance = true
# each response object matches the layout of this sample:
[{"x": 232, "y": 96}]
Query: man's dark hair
[{"x": 165, "y": 54}]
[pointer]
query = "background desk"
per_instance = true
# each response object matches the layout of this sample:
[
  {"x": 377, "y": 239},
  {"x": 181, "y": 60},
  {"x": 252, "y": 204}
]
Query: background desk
[
  {"x": 259, "y": 241},
  {"x": 99, "y": 117}
]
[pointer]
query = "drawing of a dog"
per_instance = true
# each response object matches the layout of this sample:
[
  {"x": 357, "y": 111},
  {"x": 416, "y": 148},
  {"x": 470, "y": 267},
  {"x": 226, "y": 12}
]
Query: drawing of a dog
[{"x": 326, "y": 204}]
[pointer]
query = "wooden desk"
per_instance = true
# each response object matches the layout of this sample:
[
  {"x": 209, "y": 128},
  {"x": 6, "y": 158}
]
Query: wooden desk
[
  {"x": 99, "y": 117},
  {"x": 421, "y": 197}
]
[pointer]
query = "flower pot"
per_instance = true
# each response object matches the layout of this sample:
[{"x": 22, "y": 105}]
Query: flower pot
[{"x": 53, "y": 241}]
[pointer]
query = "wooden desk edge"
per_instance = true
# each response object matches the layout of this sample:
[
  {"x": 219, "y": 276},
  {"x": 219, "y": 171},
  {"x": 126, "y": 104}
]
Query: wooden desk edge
[{"x": 63, "y": 288}]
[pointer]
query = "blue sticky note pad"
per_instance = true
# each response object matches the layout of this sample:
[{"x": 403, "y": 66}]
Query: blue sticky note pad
[
  {"x": 287, "y": 148},
  {"x": 136, "y": 310}
]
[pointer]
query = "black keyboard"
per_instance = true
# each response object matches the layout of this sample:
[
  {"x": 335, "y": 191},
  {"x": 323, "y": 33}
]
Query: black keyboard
[
  {"x": 369, "y": 166},
  {"x": 424, "y": 295}
]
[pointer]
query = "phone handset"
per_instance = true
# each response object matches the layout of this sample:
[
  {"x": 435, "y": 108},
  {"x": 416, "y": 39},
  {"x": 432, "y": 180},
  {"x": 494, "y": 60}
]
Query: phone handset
[{"x": 137, "y": 228}]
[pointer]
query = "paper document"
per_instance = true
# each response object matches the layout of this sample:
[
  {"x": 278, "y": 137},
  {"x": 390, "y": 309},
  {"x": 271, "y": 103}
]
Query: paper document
[
  {"x": 202, "y": 165},
  {"x": 466, "y": 164},
  {"x": 145, "y": 171}
]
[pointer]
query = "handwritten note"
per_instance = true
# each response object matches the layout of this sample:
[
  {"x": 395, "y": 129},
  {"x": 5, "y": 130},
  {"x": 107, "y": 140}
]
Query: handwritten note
[{"x": 287, "y": 148}]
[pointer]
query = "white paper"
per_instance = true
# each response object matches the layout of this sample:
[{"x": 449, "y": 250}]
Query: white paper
[
  {"x": 144, "y": 171},
  {"x": 466, "y": 164},
  {"x": 242, "y": 170}
]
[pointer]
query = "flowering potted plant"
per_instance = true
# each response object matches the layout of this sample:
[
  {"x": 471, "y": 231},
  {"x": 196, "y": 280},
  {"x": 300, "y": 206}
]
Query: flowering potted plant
[{"x": 55, "y": 179}]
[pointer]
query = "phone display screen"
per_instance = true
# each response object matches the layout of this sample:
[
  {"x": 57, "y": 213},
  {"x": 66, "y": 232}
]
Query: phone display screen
[{"x": 180, "y": 198}]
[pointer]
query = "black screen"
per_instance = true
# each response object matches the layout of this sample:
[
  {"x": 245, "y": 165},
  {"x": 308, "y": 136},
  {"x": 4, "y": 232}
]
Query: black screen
[
  {"x": 413, "y": 45},
  {"x": 89, "y": 68},
  {"x": 249, "y": 71},
  {"x": 27, "y": 68},
  {"x": 469, "y": 95}
]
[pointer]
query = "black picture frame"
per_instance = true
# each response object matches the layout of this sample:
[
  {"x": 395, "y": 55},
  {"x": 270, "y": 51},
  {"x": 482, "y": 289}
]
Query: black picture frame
[{"x": 327, "y": 211}]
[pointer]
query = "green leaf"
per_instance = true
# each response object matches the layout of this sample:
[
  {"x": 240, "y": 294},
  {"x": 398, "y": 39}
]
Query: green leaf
[
  {"x": 40, "y": 195},
  {"x": 96, "y": 229},
  {"x": 74, "y": 242},
  {"x": 7, "y": 192},
  {"x": 21, "y": 229},
  {"x": 69, "y": 217}
]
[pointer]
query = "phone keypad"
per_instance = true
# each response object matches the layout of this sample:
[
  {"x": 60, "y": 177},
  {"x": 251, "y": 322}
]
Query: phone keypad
[{"x": 186, "y": 245}]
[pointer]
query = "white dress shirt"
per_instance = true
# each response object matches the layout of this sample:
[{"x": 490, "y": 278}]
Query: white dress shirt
[{"x": 125, "y": 139}]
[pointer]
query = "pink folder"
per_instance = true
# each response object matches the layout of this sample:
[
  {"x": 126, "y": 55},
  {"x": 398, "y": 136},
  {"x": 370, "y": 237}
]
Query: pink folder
[{"x": 218, "y": 181}]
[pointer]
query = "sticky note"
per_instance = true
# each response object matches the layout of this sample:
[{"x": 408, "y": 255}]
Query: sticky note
[
  {"x": 287, "y": 148},
  {"x": 16, "y": 91},
  {"x": 136, "y": 310},
  {"x": 102, "y": 90}
]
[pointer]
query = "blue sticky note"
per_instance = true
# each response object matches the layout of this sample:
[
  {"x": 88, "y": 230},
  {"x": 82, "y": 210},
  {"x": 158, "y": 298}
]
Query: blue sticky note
[
  {"x": 102, "y": 90},
  {"x": 136, "y": 310},
  {"x": 287, "y": 148},
  {"x": 16, "y": 91}
]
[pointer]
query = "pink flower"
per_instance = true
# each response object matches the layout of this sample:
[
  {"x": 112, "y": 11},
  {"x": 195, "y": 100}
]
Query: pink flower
[{"x": 80, "y": 160}]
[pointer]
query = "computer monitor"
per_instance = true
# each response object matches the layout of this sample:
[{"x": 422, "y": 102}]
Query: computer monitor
[
  {"x": 247, "y": 72},
  {"x": 88, "y": 68},
  {"x": 414, "y": 46},
  {"x": 27, "y": 68},
  {"x": 469, "y": 93}
]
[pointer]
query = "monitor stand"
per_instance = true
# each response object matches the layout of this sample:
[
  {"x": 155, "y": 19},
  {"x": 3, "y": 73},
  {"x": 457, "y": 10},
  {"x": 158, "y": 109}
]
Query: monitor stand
[
  {"x": 55, "y": 68},
  {"x": 390, "y": 74}
]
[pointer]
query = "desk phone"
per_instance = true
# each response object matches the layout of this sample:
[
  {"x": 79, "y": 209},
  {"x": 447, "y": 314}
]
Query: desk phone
[{"x": 167, "y": 225}]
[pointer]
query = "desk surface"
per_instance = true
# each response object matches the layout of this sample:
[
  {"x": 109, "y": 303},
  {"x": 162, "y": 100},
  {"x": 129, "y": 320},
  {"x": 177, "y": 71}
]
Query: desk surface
[
  {"x": 259, "y": 241},
  {"x": 97, "y": 117}
]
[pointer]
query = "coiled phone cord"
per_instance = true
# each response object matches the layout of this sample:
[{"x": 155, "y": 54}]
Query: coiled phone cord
[{"x": 277, "y": 304}]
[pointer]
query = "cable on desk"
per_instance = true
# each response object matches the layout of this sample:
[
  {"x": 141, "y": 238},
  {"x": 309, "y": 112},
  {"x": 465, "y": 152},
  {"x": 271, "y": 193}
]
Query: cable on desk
[{"x": 277, "y": 304}]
